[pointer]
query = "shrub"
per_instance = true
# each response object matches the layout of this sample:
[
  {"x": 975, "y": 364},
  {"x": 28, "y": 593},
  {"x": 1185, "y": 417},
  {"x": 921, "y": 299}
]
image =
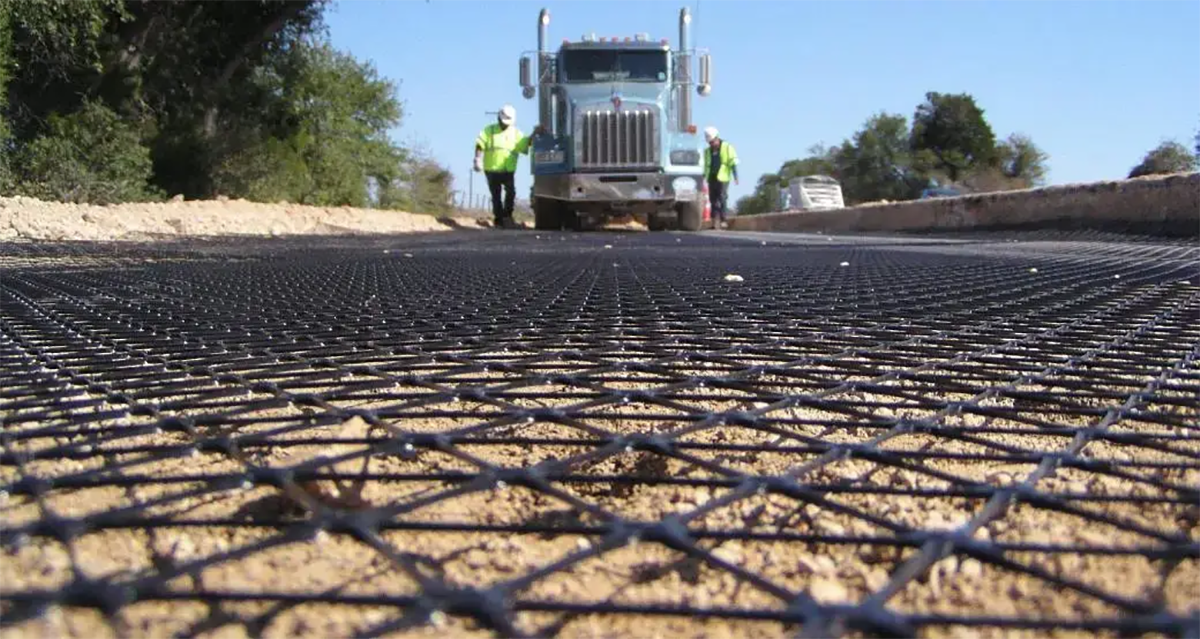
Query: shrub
[{"x": 88, "y": 156}]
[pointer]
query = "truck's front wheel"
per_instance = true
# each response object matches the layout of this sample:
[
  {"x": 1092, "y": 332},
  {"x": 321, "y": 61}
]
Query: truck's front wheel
[
  {"x": 691, "y": 215},
  {"x": 547, "y": 214}
]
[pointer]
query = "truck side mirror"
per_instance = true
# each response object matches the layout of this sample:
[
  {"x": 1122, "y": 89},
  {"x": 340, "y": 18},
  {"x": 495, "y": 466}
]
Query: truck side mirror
[
  {"x": 705, "y": 85},
  {"x": 526, "y": 78}
]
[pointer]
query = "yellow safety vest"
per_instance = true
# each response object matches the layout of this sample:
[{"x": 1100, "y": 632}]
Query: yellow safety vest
[
  {"x": 728, "y": 159},
  {"x": 501, "y": 147}
]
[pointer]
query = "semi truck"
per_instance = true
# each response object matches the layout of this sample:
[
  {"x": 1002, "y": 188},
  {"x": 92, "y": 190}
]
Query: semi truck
[{"x": 617, "y": 134}]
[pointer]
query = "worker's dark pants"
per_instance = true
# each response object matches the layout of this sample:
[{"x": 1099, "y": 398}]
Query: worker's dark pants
[
  {"x": 718, "y": 193},
  {"x": 497, "y": 179}
]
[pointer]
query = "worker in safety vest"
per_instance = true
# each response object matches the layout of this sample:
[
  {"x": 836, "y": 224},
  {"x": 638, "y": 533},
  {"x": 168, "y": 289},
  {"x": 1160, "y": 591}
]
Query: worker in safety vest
[
  {"x": 497, "y": 150},
  {"x": 720, "y": 164}
]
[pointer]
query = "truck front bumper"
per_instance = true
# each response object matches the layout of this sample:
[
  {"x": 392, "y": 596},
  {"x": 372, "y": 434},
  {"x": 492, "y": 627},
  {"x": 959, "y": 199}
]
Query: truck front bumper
[{"x": 587, "y": 188}]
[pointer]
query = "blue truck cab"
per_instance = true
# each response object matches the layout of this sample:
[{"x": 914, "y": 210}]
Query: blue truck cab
[{"x": 618, "y": 137}]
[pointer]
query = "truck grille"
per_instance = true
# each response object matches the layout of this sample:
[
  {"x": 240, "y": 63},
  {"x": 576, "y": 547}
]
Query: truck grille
[{"x": 617, "y": 139}]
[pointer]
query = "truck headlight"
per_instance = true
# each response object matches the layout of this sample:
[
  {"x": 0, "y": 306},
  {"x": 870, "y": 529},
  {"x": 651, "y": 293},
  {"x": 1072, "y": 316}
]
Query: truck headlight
[
  {"x": 548, "y": 157},
  {"x": 685, "y": 156},
  {"x": 684, "y": 186}
]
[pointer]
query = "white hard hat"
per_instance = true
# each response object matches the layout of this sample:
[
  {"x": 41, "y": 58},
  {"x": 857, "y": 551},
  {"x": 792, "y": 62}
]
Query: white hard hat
[
  {"x": 710, "y": 133},
  {"x": 508, "y": 114}
]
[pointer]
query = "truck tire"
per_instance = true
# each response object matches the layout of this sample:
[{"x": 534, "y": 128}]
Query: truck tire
[
  {"x": 656, "y": 222},
  {"x": 547, "y": 214},
  {"x": 691, "y": 215}
]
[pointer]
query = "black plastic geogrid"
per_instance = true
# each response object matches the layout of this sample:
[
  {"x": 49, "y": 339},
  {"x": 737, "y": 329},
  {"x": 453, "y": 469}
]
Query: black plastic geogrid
[{"x": 180, "y": 376}]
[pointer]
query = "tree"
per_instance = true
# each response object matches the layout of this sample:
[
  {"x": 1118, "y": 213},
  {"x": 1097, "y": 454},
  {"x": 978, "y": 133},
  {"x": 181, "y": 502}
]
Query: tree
[
  {"x": 6, "y": 176},
  {"x": 764, "y": 199},
  {"x": 1022, "y": 161},
  {"x": 876, "y": 164},
  {"x": 181, "y": 73},
  {"x": 818, "y": 162},
  {"x": 88, "y": 156},
  {"x": 329, "y": 133},
  {"x": 423, "y": 186},
  {"x": 953, "y": 129},
  {"x": 1168, "y": 157}
]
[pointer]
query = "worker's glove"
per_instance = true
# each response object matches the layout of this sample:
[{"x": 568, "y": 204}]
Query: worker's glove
[{"x": 478, "y": 164}]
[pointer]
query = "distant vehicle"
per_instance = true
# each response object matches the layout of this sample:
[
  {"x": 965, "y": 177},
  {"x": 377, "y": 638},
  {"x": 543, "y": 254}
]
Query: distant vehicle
[
  {"x": 940, "y": 191},
  {"x": 814, "y": 193},
  {"x": 618, "y": 133}
]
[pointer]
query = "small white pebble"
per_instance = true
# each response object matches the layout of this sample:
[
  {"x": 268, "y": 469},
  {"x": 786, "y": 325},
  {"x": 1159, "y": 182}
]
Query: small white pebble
[
  {"x": 583, "y": 544},
  {"x": 845, "y": 264},
  {"x": 678, "y": 239},
  {"x": 408, "y": 255},
  {"x": 971, "y": 568},
  {"x": 734, "y": 278},
  {"x": 1033, "y": 270},
  {"x": 876, "y": 578},
  {"x": 437, "y": 618},
  {"x": 827, "y": 590},
  {"x": 386, "y": 251},
  {"x": 1117, "y": 277},
  {"x": 764, "y": 242},
  {"x": 608, "y": 246}
]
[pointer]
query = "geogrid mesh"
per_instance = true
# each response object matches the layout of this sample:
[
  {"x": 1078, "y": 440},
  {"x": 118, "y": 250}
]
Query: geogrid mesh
[{"x": 593, "y": 435}]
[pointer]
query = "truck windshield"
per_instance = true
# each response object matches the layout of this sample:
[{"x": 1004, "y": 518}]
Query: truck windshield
[{"x": 601, "y": 65}]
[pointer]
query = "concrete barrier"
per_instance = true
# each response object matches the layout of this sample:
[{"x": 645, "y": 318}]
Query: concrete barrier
[{"x": 1156, "y": 205}]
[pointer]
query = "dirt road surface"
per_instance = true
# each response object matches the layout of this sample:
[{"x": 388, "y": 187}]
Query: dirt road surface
[{"x": 516, "y": 433}]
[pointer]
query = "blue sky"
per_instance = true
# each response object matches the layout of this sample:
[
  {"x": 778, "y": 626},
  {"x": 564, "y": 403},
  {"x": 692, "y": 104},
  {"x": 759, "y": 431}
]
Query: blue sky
[{"x": 1095, "y": 83}]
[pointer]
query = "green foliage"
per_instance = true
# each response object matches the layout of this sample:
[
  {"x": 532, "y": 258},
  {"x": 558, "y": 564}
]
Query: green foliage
[
  {"x": 271, "y": 171},
  {"x": 1021, "y": 161},
  {"x": 6, "y": 177},
  {"x": 422, "y": 186},
  {"x": 5, "y": 47},
  {"x": 245, "y": 99},
  {"x": 949, "y": 143},
  {"x": 1168, "y": 157},
  {"x": 87, "y": 156},
  {"x": 331, "y": 139},
  {"x": 55, "y": 39},
  {"x": 875, "y": 164},
  {"x": 953, "y": 129}
]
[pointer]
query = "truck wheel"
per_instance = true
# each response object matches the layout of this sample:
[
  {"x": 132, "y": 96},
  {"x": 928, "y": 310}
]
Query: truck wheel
[
  {"x": 691, "y": 215},
  {"x": 656, "y": 222},
  {"x": 547, "y": 214}
]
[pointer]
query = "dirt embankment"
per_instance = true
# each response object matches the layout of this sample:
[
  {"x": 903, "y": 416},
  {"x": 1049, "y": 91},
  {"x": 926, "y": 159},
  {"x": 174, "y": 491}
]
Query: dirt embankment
[
  {"x": 31, "y": 219},
  {"x": 1161, "y": 205}
]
